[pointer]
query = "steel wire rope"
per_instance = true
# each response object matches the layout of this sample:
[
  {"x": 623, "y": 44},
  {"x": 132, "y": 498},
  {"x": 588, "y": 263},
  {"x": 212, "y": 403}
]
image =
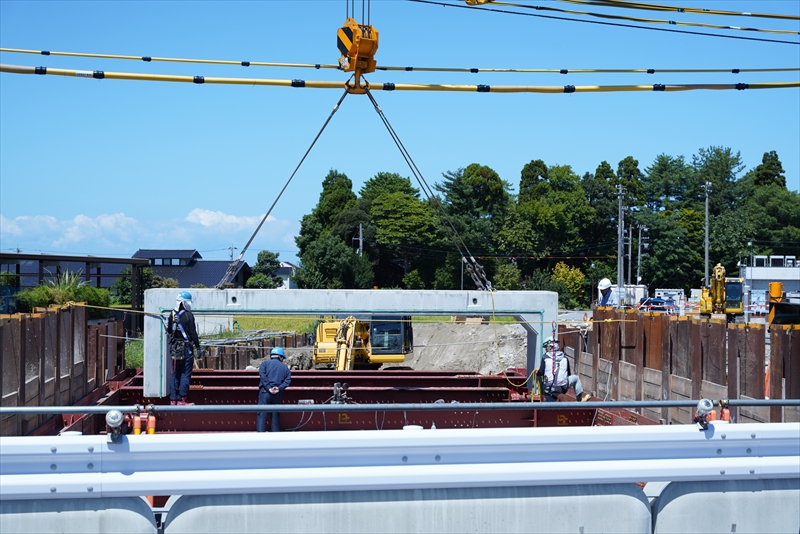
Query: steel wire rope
[
  {"x": 634, "y": 19},
  {"x": 234, "y": 265},
  {"x": 475, "y": 270},
  {"x": 603, "y": 23},
  {"x": 625, "y": 4},
  {"x": 388, "y": 68},
  {"x": 312, "y": 84}
]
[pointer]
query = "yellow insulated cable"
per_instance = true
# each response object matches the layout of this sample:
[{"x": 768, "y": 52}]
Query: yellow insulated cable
[
  {"x": 399, "y": 69},
  {"x": 18, "y": 69},
  {"x": 632, "y": 19},
  {"x": 657, "y": 7}
]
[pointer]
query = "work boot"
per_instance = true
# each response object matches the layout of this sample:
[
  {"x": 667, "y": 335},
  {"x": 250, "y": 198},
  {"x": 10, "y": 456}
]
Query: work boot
[
  {"x": 183, "y": 402},
  {"x": 172, "y": 402}
]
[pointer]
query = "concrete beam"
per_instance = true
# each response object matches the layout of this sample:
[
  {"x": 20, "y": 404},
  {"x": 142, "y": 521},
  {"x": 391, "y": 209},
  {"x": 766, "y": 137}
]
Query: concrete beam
[{"x": 537, "y": 311}]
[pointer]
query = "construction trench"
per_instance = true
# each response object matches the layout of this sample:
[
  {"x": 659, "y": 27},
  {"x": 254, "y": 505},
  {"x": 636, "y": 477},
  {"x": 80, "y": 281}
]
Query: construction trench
[{"x": 483, "y": 412}]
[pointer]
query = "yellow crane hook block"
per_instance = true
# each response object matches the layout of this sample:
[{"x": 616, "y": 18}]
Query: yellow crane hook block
[{"x": 357, "y": 44}]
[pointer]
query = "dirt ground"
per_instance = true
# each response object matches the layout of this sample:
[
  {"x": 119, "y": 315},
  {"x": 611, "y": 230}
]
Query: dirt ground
[{"x": 487, "y": 349}]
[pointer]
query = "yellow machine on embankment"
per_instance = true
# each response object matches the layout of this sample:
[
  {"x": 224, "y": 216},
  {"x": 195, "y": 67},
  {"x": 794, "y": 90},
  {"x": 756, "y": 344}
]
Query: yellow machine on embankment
[
  {"x": 363, "y": 343},
  {"x": 722, "y": 296}
]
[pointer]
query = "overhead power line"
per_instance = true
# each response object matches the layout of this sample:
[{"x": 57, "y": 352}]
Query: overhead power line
[
  {"x": 97, "y": 74},
  {"x": 476, "y": 3},
  {"x": 472, "y": 70},
  {"x": 604, "y": 23},
  {"x": 659, "y": 7}
]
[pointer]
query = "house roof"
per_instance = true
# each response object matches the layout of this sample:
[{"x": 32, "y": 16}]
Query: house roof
[
  {"x": 158, "y": 253},
  {"x": 207, "y": 272}
]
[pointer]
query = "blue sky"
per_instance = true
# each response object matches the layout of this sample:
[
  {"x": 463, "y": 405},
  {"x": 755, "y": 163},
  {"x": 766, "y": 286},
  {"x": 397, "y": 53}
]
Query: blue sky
[{"x": 106, "y": 167}]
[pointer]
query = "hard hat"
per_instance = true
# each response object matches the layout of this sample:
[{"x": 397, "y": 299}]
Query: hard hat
[
  {"x": 550, "y": 340},
  {"x": 185, "y": 298},
  {"x": 277, "y": 352},
  {"x": 605, "y": 283}
]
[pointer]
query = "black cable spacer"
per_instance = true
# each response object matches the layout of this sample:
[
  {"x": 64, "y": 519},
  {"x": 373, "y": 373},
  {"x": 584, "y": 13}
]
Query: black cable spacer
[
  {"x": 742, "y": 86},
  {"x": 659, "y": 87},
  {"x": 298, "y": 83},
  {"x": 99, "y": 74},
  {"x": 317, "y": 66},
  {"x": 483, "y": 88},
  {"x": 735, "y": 71},
  {"x": 148, "y": 59},
  {"x": 245, "y": 63},
  {"x": 563, "y": 71},
  {"x": 388, "y": 86},
  {"x": 40, "y": 70},
  {"x": 473, "y": 70},
  {"x": 199, "y": 79},
  {"x": 45, "y": 52},
  {"x": 409, "y": 69},
  {"x": 569, "y": 88},
  {"x": 651, "y": 71}
]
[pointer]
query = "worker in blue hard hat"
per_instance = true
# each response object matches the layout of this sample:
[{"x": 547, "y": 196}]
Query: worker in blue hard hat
[
  {"x": 555, "y": 373},
  {"x": 182, "y": 332},
  {"x": 275, "y": 378}
]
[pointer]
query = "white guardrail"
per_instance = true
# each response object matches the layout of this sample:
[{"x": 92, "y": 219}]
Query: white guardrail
[{"x": 64, "y": 466}]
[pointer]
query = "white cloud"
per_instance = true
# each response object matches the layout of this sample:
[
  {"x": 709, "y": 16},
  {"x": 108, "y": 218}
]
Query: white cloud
[
  {"x": 104, "y": 230},
  {"x": 223, "y": 222}
]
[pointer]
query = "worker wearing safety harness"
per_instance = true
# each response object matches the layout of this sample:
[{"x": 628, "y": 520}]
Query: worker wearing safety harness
[
  {"x": 182, "y": 332},
  {"x": 555, "y": 373}
]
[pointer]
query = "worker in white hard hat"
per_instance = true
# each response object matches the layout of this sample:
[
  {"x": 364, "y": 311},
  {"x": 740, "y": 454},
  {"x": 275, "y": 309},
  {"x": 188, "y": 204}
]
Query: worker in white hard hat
[
  {"x": 608, "y": 297},
  {"x": 182, "y": 332},
  {"x": 556, "y": 375}
]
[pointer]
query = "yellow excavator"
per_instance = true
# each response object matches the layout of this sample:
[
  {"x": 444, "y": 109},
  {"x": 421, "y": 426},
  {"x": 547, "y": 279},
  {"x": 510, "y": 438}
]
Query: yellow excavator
[
  {"x": 363, "y": 343},
  {"x": 723, "y": 295}
]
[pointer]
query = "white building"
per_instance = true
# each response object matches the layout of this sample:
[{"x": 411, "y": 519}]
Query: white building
[{"x": 768, "y": 269}]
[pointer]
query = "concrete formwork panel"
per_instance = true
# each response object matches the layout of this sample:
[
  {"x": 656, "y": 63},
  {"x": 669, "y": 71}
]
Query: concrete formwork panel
[
  {"x": 537, "y": 310},
  {"x": 619, "y": 508},
  {"x": 741, "y": 506},
  {"x": 112, "y": 515}
]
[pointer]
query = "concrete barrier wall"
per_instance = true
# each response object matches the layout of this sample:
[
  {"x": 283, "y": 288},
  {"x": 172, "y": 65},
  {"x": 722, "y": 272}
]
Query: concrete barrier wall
[
  {"x": 122, "y": 515},
  {"x": 581, "y": 508},
  {"x": 741, "y": 506}
]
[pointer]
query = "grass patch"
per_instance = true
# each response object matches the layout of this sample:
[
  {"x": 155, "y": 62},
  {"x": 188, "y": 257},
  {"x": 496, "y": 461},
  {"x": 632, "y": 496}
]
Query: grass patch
[
  {"x": 134, "y": 354},
  {"x": 301, "y": 325}
]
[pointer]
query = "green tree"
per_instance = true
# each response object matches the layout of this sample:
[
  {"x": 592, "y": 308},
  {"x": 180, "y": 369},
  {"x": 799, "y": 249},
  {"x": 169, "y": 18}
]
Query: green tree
[
  {"x": 413, "y": 280},
  {"x": 601, "y": 234},
  {"x": 629, "y": 175},
  {"x": 533, "y": 181},
  {"x": 121, "y": 287},
  {"x": 387, "y": 182},
  {"x": 507, "y": 277},
  {"x": 720, "y": 166},
  {"x": 770, "y": 172},
  {"x": 665, "y": 182},
  {"x": 573, "y": 279},
  {"x": 330, "y": 264},
  {"x": 265, "y": 271}
]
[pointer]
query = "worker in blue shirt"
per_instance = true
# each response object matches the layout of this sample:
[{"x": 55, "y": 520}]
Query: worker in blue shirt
[
  {"x": 275, "y": 378},
  {"x": 608, "y": 297}
]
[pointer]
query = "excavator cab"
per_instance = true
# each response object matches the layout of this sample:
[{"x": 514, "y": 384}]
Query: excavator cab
[{"x": 363, "y": 342}]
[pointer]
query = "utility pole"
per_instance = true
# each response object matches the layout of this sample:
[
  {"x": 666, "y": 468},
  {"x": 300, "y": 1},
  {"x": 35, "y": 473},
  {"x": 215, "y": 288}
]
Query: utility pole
[
  {"x": 232, "y": 248},
  {"x": 642, "y": 228},
  {"x": 620, "y": 247},
  {"x": 360, "y": 239},
  {"x": 630, "y": 254},
  {"x": 707, "y": 187}
]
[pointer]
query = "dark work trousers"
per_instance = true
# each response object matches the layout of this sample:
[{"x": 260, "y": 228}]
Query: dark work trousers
[
  {"x": 265, "y": 397},
  {"x": 181, "y": 375}
]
